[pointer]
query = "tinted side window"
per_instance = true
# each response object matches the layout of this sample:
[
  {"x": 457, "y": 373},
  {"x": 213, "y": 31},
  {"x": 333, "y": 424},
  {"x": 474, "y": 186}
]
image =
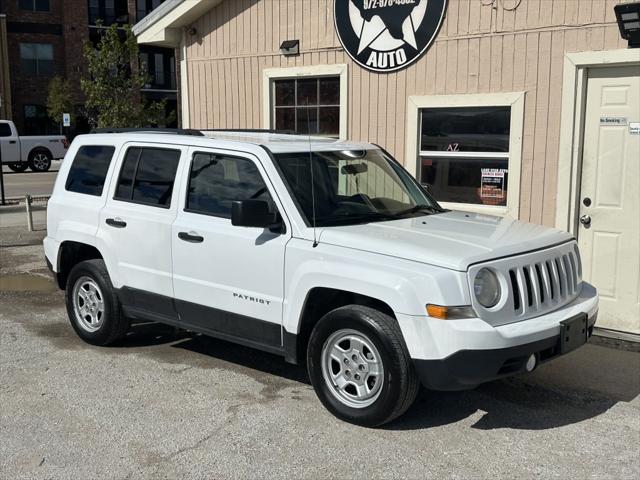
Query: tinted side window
[
  {"x": 215, "y": 181},
  {"x": 5, "y": 130},
  {"x": 89, "y": 169},
  {"x": 147, "y": 176}
]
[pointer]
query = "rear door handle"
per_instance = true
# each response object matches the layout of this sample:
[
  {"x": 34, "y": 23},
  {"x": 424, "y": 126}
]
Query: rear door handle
[
  {"x": 116, "y": 222},
  {"x": 191, "y": 237}
]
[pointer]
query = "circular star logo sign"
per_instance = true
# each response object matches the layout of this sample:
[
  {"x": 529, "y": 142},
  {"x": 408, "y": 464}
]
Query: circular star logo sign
[{"x": 387, "y": 35}]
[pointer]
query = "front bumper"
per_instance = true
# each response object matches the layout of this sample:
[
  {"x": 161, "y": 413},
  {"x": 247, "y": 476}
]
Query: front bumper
[
  {"x": 460, "y": 354},
  {"x": 468, "y": 368}
]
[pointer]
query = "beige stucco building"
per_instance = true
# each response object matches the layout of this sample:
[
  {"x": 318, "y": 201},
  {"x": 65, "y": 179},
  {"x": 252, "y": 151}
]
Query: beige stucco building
[{"x": 526, "y": 108}]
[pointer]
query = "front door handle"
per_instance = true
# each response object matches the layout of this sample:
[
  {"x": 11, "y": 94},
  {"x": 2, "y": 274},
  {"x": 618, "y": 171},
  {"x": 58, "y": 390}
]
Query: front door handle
[
  {"x": 585, "y": 220},
  {"x": 191, "y": 237},
  {"x": 116, "y": 222},
  {"x": 12, "y": 142}
]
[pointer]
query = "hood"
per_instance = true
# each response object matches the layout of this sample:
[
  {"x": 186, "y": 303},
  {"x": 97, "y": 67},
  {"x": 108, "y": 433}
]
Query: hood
[{"x": 451, "y": 240}]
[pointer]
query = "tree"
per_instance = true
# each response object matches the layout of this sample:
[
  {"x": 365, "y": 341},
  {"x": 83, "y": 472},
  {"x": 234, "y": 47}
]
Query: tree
[
  {"x": 59, "y": 100},
  {"x": 112, "y": 87}
]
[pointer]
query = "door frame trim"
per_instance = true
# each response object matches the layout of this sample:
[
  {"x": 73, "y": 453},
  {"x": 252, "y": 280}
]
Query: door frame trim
[{"x": 574, "y": 97}]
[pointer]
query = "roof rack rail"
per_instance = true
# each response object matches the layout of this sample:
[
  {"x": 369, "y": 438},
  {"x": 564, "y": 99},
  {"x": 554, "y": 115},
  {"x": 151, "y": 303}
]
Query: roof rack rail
[
  {"x": 175, "y": 131},
  {"x": 249, "y": 130}
]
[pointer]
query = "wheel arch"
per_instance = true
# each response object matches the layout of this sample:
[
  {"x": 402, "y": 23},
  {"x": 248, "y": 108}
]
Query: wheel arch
[
  {"x": 39, "y": 148},
  {"x": 70, "y": 253},
  {"x": 318, "y": 302}
]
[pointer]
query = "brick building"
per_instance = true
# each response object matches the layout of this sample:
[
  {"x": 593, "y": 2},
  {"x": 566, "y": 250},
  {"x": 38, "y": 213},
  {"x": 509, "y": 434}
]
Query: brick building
[
  {"x": 5, "y": 86},
  {"x": 45, "y": 38}
]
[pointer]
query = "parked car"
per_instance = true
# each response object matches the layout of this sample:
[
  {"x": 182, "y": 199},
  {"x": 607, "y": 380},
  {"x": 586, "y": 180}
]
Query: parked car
[
  {"x": 34, "y": 152},
  {"x": 325, "y": 252}
]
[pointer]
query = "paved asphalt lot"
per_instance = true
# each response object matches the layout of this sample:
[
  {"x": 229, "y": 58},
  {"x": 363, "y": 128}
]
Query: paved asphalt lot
[{"x": 166, "y": 404}]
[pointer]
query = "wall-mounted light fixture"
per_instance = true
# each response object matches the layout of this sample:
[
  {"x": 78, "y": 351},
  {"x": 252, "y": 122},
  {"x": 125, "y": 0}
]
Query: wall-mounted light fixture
[
  {"x": 628, "y": 17},
  {"x": 192, "y": 31},
  {"x": 290, "y": 47}
]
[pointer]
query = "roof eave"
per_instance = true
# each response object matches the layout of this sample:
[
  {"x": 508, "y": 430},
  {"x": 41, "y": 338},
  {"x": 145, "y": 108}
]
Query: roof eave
[{"x": 163, "y": 26}]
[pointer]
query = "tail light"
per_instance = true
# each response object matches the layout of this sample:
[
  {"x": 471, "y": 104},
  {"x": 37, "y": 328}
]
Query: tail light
[{"x": 65, "y": 143}]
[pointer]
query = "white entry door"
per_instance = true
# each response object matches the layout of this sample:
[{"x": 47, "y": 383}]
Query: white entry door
[{"x": 609, "y": 231}]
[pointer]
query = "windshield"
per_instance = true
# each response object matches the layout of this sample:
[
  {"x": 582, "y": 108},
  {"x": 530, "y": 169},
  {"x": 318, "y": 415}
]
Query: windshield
[{"x": 349, "y": 187}]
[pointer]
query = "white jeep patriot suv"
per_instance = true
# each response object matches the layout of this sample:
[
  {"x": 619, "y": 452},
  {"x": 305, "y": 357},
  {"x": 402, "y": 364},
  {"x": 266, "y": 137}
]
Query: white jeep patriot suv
[{"x": 321, "y": 251}]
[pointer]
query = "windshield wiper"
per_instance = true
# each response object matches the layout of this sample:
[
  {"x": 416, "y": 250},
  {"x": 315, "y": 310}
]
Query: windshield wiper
[
  {"x": 356, "y": 217},
  {"x": 418, "y": 208}
]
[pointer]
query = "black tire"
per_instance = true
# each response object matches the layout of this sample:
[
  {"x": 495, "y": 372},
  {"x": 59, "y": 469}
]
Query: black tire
[
  {"x": 400, "y": 382},
  {"x": 18, "y": 167},
  {"x": 40, "y": 160},
  {"x": 113, "y": 325}
]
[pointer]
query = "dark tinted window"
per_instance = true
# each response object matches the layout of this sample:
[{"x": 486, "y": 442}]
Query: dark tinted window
[
  {"x": 34, "y": 5},
  {"x": 468, "y": 129},
  {"x": 36, "y": 58},
  {"x": 216, "y": 181},
  {"x": 147, "y": 176},
  {"x": 128, "y": 170},
  {"x": 5, "y": 130},
  {"x": 89, "y": 169},
  {"x": 466, "y": 180}
]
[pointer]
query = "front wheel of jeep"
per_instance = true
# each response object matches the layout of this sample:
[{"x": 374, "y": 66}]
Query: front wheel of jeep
[{"x": 359, "y": 366}]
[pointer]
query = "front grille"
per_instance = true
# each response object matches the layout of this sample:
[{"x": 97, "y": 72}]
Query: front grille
[
  {"x": 545, "y": 283},
  {"x": 537, "y": 283}
]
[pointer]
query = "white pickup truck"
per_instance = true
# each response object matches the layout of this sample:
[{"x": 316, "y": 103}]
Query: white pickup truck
[
  {"x": 35, "y": 152},
  {"x": 325, "y": 252}
]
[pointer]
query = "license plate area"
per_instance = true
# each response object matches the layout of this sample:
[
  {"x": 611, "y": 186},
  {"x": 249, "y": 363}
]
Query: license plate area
[{"x": 573, "y": 333}]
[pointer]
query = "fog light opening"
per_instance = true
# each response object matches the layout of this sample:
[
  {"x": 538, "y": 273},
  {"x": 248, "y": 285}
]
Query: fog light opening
[{"x": 532, "y": 361}]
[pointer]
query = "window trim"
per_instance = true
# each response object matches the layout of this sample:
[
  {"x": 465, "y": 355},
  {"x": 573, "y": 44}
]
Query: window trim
[
  {"x": 515, "y": 100},
  {"x": 337, "y": 70},
  {"x": 209, "y": 214},
  {"x": 296, "y": 106},
  {"x": 135, "y": 172}
]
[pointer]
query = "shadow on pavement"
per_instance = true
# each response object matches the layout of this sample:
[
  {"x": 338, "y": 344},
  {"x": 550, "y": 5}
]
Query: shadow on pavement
[
  {"x": 579, "y": 386},
  {"x": 146, "y": 334}
]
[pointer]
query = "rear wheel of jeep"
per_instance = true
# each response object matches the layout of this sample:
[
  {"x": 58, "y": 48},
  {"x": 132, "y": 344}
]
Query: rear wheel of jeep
[
  {"x": 360, "y": 367},
  {"x": 92, "y": 305}
]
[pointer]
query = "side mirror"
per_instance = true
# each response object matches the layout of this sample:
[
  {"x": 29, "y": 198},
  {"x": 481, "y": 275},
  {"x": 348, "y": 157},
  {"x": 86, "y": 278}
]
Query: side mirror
[{"x": 253, "y": 213}]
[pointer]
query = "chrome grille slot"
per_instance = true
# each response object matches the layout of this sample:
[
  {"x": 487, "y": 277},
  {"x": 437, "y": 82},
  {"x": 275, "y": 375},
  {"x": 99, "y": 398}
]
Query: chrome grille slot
[
  {"x": 553, "y": 280},
  {"x": 562, "y": 277},
  {"x": 537, "y": 283},
  {"x": 515, "y": 290}
]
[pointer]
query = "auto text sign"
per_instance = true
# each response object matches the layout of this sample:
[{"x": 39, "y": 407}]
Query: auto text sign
[
  {"x": 387, "y": 35},
  {"x": 66, "y": 120}
]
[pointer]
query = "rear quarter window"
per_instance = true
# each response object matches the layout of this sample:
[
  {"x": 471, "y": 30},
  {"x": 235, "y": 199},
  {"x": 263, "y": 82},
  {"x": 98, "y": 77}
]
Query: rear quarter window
[{"x": 89, "y": 169}]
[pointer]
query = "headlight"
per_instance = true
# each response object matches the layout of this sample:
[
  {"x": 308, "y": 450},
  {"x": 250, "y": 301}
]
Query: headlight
[{"x": 486, "y": 287}]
